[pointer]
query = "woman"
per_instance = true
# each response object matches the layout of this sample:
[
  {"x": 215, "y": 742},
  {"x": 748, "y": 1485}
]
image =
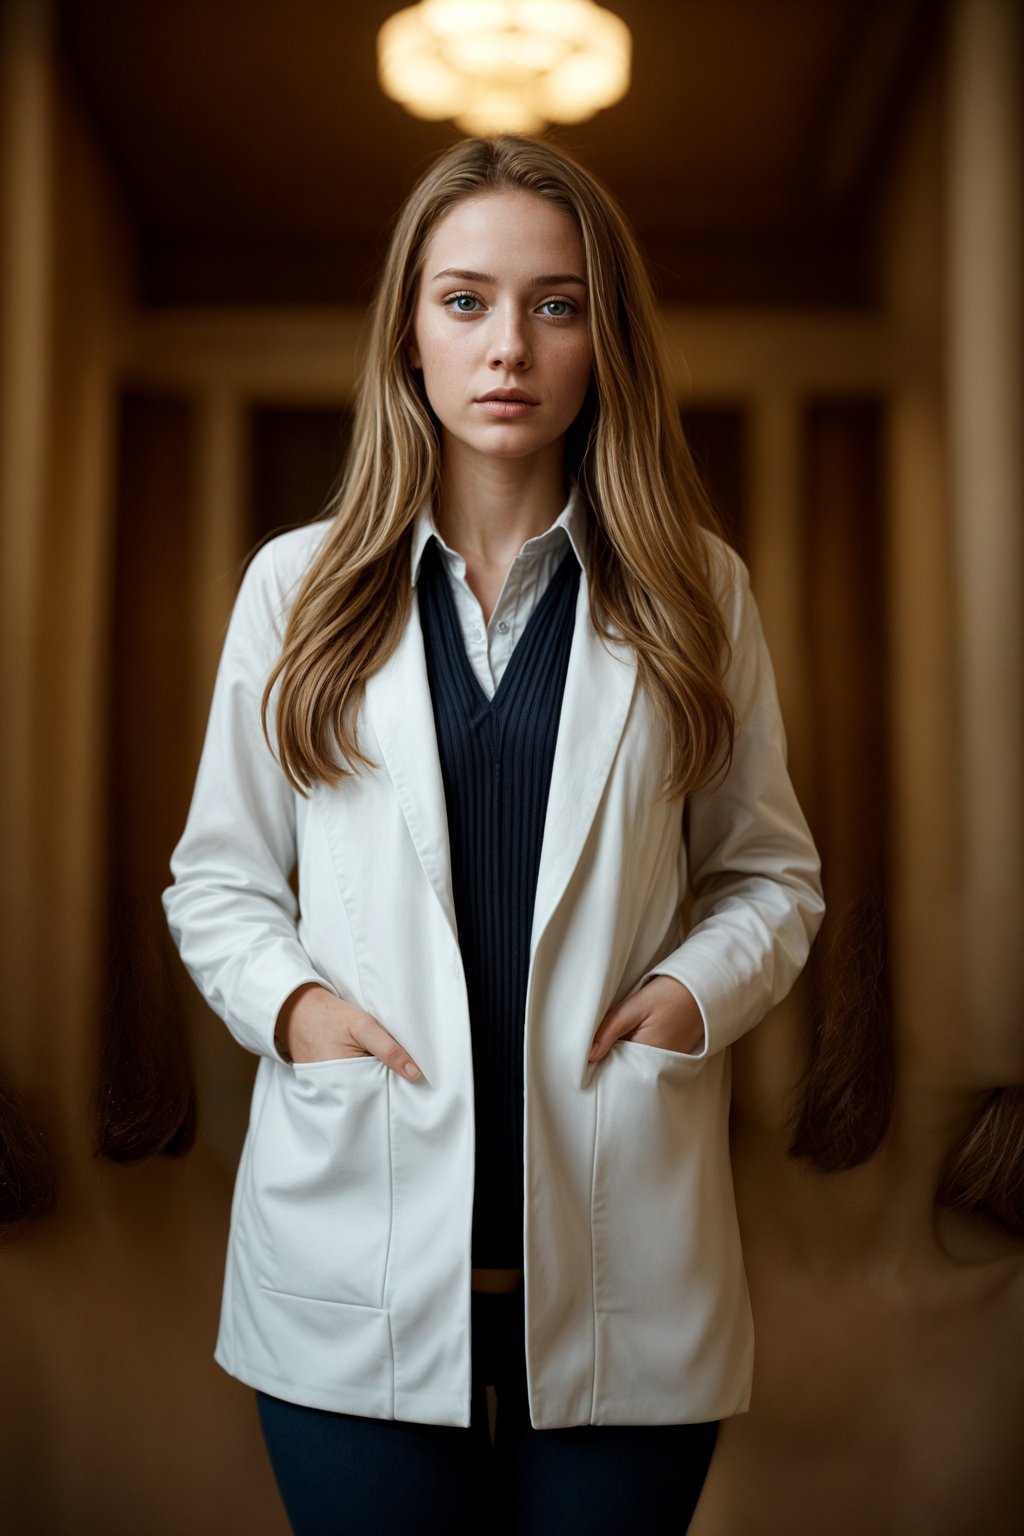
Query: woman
[{"x": 497, "y": 712}]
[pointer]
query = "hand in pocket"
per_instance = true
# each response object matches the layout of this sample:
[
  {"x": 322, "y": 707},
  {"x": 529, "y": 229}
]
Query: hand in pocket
[
  {"x": 314, "y": 1025},
  {"x": 663, "y": 1013}
]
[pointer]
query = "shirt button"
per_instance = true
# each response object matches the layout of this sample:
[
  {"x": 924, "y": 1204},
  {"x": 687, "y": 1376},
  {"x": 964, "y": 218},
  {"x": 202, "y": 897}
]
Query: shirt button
[{"x": 503, "y": 627}]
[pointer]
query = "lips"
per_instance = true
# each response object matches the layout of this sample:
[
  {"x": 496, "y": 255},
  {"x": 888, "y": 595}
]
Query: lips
[{"x": 520, "y": 396}]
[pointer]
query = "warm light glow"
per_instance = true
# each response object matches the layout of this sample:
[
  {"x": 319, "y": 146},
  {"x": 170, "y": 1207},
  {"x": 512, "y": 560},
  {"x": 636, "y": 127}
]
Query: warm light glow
[{"x": 504, "y": 65}]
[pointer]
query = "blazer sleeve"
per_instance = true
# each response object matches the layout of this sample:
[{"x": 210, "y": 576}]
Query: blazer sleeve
[
  {"x": 231, "y": 908},
  {"x": 752, "y": 864}
]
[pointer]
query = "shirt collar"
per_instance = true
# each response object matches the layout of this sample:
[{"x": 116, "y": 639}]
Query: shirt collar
[{"x": 570, "y": 523}]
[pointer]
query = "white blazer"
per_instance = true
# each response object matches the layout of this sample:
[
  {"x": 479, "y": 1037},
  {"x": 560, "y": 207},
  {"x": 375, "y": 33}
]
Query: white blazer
[{"x": 348, "y": 1272}]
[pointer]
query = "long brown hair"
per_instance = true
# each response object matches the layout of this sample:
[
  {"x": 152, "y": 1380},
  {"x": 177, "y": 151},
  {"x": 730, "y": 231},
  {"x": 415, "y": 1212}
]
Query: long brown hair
[
  {"x": 844, "y": 1100},
  {"x": 985, "y": 1172},
  {"x": 651, "y": 581}
]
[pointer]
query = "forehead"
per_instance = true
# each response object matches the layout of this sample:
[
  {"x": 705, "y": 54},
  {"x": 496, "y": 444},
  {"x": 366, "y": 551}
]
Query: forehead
[{"x": 505, "y": 232}]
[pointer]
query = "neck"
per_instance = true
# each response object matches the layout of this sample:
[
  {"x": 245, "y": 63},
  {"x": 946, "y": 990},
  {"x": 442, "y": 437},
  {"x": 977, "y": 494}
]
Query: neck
[{"x": 490, "y": 507}]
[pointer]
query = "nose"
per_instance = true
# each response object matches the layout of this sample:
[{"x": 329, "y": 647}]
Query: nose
[{"x": 510, "y": 346}]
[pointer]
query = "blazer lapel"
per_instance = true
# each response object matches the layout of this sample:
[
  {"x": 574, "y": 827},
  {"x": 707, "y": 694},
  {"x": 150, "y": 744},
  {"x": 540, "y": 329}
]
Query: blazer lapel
[
  {"x": 399, "y": 703},
  {"x": 599, "y": 687}
]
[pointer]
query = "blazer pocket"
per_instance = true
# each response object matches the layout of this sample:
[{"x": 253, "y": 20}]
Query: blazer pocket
[
  {"x": 318, "y": 1211},
  {"x": 662, "y": 1062},
  {"x": 656, "y": 1134}
]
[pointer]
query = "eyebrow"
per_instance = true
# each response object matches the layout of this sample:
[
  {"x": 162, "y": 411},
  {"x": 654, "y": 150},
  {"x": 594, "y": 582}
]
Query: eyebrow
[{"x": 550, "y": 280}]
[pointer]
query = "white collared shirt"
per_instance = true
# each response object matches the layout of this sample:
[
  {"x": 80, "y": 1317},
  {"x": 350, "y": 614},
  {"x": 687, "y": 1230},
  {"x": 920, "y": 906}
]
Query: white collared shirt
[{"x": 490, "y": 645}]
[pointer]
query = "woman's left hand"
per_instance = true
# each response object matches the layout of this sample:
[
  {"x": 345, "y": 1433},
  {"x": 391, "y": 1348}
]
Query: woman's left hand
[{"x": 663, "y": 1013}]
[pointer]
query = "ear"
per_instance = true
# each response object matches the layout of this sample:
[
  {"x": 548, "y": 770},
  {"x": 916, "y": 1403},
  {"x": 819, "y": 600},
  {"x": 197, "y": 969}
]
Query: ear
[{"x": 412, "y": 351}]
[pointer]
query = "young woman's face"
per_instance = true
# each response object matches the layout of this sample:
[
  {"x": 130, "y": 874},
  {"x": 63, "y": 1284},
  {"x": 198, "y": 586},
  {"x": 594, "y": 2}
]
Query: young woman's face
[{"x": 501, "y": 310}]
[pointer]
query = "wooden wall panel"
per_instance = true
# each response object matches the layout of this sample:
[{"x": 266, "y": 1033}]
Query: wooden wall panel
[
  {"x": 845, "y": 593},
  {"x": 296, "y": 455}
]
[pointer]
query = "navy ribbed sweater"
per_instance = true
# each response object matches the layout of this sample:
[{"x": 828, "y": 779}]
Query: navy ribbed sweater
[{"x": 496, "y": 756}]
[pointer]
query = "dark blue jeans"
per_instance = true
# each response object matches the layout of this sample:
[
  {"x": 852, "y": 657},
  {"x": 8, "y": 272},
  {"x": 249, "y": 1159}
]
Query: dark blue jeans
[{"x": 341, "y": 1475}]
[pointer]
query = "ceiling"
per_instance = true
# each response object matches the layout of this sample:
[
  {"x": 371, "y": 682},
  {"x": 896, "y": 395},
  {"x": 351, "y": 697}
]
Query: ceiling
[{"x": 262, "y": 162}]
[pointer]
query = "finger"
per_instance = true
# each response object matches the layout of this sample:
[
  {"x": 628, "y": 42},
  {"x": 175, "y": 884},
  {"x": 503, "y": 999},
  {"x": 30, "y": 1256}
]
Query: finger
[
  {"x": 373, "y": 1037},
  {"x": 621, "y": 1020}
]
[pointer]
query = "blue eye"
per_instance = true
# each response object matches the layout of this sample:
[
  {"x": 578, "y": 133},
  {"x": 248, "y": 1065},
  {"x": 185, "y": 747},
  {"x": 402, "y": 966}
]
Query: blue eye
[
  {"x": 462, "y": 303},
  {"x": 564, "y": 308}
]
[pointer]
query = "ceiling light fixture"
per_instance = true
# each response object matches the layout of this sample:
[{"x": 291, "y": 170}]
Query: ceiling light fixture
[{"x": 511, "y": 66}]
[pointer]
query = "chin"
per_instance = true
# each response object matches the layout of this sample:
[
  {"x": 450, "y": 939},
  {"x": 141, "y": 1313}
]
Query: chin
[{"x": 507, "y": 443}]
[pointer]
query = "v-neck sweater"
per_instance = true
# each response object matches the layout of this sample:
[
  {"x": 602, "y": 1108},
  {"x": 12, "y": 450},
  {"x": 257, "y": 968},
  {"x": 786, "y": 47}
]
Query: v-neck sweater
[
  {"x": 490, "y": 641},
  {"x": 496, "y": 758}
]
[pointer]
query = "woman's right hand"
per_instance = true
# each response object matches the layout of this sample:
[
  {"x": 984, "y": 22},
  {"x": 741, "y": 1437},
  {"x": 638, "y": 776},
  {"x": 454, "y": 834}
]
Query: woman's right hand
[{"x": 314, "y": 1025}]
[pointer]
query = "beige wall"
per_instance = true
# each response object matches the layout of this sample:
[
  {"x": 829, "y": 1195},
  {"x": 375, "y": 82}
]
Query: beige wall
[
  {"x": 113, "y": 1417},
  {"x": 66, "y": 265}
]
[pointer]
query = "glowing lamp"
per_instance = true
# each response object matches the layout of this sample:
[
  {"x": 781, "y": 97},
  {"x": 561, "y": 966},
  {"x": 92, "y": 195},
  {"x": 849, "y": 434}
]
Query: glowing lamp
[{"x": 497, "y": 66}]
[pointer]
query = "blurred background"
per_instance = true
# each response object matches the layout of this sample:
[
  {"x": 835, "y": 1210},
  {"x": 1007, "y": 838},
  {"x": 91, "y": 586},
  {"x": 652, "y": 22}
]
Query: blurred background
[{"x": 194, "y": 199}]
